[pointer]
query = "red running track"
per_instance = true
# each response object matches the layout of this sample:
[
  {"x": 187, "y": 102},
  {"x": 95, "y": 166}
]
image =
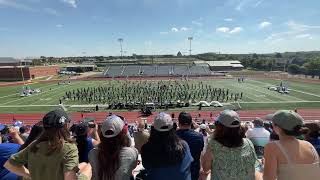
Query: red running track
[{"x": 131, "y": 117}]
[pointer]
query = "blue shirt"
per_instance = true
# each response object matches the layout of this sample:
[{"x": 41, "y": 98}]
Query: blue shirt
[
  {"x": 316, "y": 144},
  {"x": 6, "y": 150},
  {"x": 196, "y": 144},
  {"x": 170, "y": 172},
  {"x": 84, "y": 157}
]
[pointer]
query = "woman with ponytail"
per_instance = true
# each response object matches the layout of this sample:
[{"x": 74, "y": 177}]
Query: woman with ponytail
[
  {"x": 290, "y": 158},
  {"x": 113, "y": 159}
]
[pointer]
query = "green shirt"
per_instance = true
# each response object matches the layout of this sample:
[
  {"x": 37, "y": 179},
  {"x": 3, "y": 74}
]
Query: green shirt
[
  {"x": 46, "y": 167},
  {"x": 233, "y": 163}
]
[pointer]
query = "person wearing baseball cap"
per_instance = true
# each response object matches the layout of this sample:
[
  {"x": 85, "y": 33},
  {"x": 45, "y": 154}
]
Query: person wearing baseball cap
[
  {"x": 230, "y": 147},
  {"x": 165, "y": 156},
  {"x": 85, "y": 143},
  {"x": 259, "y": 136},
  {"x": 194, "y": 139},
  {"x": 113, "y": 158},
  {"x": 52, "y": 156},
  {"x": 290, "y": 158}
]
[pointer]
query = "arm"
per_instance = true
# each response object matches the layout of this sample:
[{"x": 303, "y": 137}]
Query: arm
[
  {"x": 206, "y": 160},
  {"x": 96, "y": 136},
  {"x": 70, "y": 175},
  {"x": 271, "y": 163},
  {"x": 15, "y": 136},
  {"x": 19, "y": 170},
  {"x": 195, "y": 125}
]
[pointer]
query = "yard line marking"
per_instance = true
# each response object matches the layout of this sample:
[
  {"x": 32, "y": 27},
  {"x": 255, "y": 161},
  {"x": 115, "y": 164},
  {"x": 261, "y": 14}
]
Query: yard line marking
[
  {"x": 276, "y": 95},
  {"x": 305, "y": 93},
  {"x": 28, "y": 97},
  {"x": 291, "y": 89}
]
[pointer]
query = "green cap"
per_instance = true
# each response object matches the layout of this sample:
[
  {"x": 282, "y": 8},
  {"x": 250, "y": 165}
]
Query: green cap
[{"x": 287, "y": 119}]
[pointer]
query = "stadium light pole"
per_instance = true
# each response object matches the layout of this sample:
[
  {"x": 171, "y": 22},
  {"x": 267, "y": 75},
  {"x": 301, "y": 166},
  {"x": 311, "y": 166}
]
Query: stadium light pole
[
  {"x": 120, "y": 40},
  {"x": 190, "y": 39}
]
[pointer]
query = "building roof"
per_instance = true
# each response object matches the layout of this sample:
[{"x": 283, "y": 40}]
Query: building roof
[
  {"x": 81, "y": 65},
  {"x": 236, "y": 64},
  {"x": 8, "y": 60}
]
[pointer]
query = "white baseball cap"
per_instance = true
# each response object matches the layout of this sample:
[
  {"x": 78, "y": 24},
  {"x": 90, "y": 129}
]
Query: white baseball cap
[
  {"x": 163, "y": 122},
  {"x": 203, "y": 126},
  {"x": 112, "y": 123}
]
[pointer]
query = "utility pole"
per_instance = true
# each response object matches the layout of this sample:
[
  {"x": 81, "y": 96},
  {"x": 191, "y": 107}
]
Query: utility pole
[
  {"x": 190, "y": 39},
  {"x": 120, "y": 40}
]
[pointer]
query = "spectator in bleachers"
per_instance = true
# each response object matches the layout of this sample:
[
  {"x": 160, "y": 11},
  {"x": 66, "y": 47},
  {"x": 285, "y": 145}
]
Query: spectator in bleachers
[
  {"x": 194, "y": 140},
  {"x": 141, "y": 136},
  {"x": 113, "y": 159},
  {"x": 52, "y": 156},
  {"x": 259, "y": 136},
  {"x": 85, "y": 143},
  {"x": 35, "y": 132},
  {"x": 165, "y": 156},
  {"x": 229, "y": 155},
  {"x": 290, "y": 158},
  {"x": 24, "y": 132},
  {"x": 6, "y": 150},
  {"x": 312, "y": 135}
]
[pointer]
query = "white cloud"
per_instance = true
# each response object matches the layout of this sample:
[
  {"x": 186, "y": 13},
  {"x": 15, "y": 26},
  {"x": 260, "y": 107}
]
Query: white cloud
[
  {"x": 184, "y": 29},
  {"x": 223, "y": 29},
  {"x": 264, "y": 24},
  {"x": 228, "y": 19},
  {"x": 16, "y": 5},
  {"x": 59, "y": 26},
  {"x": 72, "y": 3},
  {"x": 303, "y": 36},
  {"x": 258, "y": 3},
  {"x": 51, "y": 11},
  {"x": 174, "y": 29},
  {"x": 198, "y": 23},
  {"x": 300, "y": 27},
  {"x": 236, "y": 30}
]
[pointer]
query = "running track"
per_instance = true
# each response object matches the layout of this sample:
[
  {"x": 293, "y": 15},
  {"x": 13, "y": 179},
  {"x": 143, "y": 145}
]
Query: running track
[{"x": 131, "y": 117}]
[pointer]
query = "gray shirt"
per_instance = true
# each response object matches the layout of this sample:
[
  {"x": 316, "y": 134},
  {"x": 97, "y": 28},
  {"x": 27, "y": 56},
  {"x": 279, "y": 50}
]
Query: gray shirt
[{"x": 128, "y": 161}]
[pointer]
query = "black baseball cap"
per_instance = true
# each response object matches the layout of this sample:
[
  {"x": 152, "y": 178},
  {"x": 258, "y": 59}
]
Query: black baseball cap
[
  {"x": 55, "y": 119},
  {"x": 185, "y": 118}
]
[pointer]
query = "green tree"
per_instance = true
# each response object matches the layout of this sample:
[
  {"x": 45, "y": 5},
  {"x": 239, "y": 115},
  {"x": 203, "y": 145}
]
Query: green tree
[
  {"x": 313, "y": 67},
  {"x": 294, "y": 69}
]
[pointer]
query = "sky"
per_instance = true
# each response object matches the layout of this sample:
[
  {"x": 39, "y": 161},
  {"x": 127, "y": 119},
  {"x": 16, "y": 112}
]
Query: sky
[{"x": 32, "y": 28}]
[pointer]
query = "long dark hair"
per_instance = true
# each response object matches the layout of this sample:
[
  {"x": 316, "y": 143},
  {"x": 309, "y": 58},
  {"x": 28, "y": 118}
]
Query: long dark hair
[
  {"x": 82, "y": 145},
  {"x": 229, "y": 137},
  {"x": 297, "y": 130},
  {"x": 55, "y": 138},
  {"x": 109, "y": 155},
  {"x": 163, "y": 148},
  {"x": 35, "y": 132}
]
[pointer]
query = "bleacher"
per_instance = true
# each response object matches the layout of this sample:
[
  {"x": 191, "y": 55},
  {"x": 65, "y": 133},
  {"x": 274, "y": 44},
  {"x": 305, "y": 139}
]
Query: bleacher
[{"x": 156, "y": 70}]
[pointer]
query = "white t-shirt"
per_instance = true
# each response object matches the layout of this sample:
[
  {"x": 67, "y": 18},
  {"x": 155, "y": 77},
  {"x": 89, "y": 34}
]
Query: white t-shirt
[{"x": 258, "y": 136}]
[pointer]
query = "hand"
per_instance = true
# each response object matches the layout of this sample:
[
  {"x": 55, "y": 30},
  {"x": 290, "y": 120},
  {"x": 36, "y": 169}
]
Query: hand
[
  {"x": 13, "y": 131},
  {"x": 203, "y": 175}
]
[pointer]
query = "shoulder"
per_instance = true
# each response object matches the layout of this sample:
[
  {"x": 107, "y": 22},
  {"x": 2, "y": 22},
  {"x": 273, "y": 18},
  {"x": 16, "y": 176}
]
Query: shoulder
[
  {"x": 130, "y": 151},
  {"x": 305, "y": 143},
  {"x": 271, "y": 146},
  {"x": 67, "y": 147}
]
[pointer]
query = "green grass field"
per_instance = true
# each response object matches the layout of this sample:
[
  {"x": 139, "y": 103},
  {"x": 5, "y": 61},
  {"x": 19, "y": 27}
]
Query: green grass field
[{"x": 256, "y": 95}]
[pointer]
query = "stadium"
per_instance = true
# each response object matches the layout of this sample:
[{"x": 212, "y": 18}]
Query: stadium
[
  {"x": 159, "y": 90},
  {"x": 185, "y": 79}
]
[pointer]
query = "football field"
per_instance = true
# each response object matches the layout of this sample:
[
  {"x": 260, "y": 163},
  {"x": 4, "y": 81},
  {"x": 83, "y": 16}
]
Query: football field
[{"x": 255, "y": 95}]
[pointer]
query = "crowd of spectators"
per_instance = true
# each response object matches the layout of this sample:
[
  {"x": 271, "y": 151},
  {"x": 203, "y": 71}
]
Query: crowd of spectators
[{"x": 280, "y": 146}]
